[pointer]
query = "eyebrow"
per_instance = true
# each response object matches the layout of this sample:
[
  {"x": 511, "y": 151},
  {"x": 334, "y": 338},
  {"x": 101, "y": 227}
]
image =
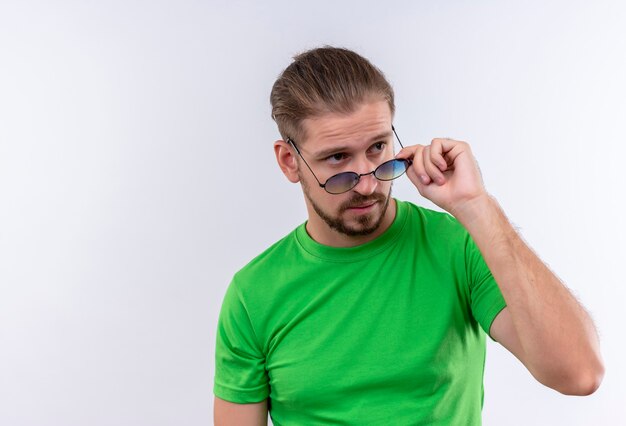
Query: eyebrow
[{"x": 337, "y": 149}]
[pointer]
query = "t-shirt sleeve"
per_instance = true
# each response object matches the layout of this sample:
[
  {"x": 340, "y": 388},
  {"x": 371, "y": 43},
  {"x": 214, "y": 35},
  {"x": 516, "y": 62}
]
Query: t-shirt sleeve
[
  {"x": 240, "y": 374},
  {"x": 485, "y": 295}
]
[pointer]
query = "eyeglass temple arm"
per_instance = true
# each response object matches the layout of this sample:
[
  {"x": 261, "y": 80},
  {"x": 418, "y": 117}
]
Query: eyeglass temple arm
[
  {"x": 394, "y": 132},
  {"x": 290, "y": 141}
]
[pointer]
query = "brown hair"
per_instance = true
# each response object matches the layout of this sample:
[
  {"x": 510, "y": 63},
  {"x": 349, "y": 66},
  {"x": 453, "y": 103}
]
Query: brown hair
[{"x": 324, "y": 80}]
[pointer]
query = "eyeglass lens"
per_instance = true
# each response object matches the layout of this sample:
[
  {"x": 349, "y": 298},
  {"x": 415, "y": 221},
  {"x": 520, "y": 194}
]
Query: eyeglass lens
[{"x": 345, "y": 181}]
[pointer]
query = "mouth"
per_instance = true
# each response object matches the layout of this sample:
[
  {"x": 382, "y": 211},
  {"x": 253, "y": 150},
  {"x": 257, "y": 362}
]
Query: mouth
[{"x": 362, "y": 208}]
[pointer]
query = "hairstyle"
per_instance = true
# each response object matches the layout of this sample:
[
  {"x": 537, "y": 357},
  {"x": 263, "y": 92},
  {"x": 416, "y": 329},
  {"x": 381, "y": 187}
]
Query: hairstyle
[{"x": 325, "y": 80}]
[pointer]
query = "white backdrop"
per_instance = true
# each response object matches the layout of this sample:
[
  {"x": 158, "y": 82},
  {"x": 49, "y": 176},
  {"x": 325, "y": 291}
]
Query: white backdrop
[{"x": 137, "y": 175}]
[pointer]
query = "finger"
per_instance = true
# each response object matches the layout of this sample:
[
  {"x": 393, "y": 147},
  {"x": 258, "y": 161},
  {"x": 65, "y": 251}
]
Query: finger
[
  {"x": 407, "y": 152},
  {"x": 431, "y": 169},
  {"x": 437, "y": 155},
  {"x": 418, "y": 165},
  {"x": 451, "y": 149}
]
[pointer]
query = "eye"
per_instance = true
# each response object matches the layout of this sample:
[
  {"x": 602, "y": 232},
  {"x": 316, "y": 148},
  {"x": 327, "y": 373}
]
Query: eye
[
  {"x": 378, "y": 147},
  {"x": 336, "y": 158}
]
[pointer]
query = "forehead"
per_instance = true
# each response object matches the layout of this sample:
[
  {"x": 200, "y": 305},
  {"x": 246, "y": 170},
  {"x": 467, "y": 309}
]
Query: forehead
[{"x": 369, "y": 119}]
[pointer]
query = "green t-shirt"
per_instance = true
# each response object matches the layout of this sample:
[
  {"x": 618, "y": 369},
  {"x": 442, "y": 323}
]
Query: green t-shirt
[{"x": 388, "y": 332}]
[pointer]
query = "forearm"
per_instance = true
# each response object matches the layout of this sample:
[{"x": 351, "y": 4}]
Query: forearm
[{"x": 558, "y": 340}]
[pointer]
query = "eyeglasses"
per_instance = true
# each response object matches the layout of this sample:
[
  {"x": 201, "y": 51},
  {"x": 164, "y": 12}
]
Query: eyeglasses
[{"x": 345, "y": 181}]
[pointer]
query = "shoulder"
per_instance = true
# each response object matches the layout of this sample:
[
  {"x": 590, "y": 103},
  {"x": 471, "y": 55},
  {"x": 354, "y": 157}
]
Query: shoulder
[{"x": 268, "y": 263}]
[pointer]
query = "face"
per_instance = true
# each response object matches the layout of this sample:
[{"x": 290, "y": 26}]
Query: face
[{"x": 358, "y": 142}]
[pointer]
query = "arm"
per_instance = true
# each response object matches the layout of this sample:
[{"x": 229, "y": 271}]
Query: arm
[
  {"x": 227, "y": 413},
  {"x": 543, "y": 324}
]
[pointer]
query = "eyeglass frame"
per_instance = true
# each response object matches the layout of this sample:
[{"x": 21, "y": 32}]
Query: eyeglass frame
[{"x": 359, "y": 175}]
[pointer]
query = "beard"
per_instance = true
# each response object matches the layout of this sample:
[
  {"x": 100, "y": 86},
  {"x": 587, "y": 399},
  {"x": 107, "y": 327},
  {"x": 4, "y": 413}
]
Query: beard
[{"x": 367, "y": 223}]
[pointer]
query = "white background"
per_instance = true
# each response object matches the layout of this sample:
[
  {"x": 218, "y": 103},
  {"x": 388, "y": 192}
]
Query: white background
[{"x": 137, "y": 175}]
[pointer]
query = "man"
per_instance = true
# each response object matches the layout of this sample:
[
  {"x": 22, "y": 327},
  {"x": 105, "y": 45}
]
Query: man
[{"x": 375, "y": 310}]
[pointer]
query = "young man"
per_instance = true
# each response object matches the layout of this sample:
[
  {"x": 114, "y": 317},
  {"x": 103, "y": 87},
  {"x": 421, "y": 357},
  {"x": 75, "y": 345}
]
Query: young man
[{"x": 375, "y": 310}]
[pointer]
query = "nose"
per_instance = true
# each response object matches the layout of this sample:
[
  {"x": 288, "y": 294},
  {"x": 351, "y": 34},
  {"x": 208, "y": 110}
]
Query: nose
[{"x": 367, "y": 184}]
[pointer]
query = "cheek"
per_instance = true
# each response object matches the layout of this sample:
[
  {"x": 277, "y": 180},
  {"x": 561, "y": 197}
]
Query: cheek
[
  {"x": 330, "y": 203},
  {"x": 309, "y": 184}
]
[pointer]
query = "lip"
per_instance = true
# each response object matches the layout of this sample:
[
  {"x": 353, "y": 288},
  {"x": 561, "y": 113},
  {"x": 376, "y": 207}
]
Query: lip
[{"x": 365, "y": 208}]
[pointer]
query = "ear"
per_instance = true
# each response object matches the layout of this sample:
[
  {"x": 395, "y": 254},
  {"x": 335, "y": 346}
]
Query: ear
[{"x": 286, "y": 158}]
